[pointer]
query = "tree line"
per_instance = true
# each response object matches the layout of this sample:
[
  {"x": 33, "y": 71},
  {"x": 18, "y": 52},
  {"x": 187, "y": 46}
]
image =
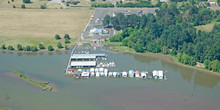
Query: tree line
[{"x": 171, "y": 31}]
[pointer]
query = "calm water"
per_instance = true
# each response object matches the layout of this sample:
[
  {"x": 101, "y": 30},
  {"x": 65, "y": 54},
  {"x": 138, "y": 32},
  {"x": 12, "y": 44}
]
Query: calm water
[{"x": 183, "y": 89}]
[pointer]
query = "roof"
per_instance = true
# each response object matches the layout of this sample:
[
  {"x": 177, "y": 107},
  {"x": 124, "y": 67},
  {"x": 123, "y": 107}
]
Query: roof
[
  {"x": 95, "y": 30},
  {"x": 86, "y": 56},
  {"x": 83, "y": 63}
]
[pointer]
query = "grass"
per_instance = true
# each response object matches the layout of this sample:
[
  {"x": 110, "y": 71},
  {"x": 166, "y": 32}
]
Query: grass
[
  {"x": 39, "y": 84},
  {"x": 35, "y": 26},
  {"x": 35, "y": 3},
  {"x": 207, "y": 27},
  {"x": 3, "y": 109}
]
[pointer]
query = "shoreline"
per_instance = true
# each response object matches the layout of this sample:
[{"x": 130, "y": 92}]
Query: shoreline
[
  {"x": 37, "y": 83},
  {"x": 166, "y": 58}
]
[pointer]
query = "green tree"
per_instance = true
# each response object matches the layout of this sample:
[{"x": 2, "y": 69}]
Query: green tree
[
  {"x": 43, "y": 6},
  {"x": 66, "y": 36},
  {"x": 50, "y": 48},
  {"x": 26, "y": 1},
  {"x": 66, "y": 47},
  {"x": 14, "y": 6},
  {"x": 139, "y": 47},
  {"x": 218, "y": 1},
  {"x": 59, "y": 45},
  {"x": 57, "y": 37},
  {"x": 3, "y": 47},
  {"x": 67, "y": 41},
  {"x": 34, "y": 48},
  {"x": 23, "y": 6},
  {"x": 207, "y": 64},
  {"x": 106, "y": 20},
  {"x": 19, "y": 47},
  {"x": 41, "y": 46},
  {"x": 215, "y": 65},
  {"x": 10, "y": 48},
  {"x": 27, "y": 48},
  {"x": 12, "y": 0}
]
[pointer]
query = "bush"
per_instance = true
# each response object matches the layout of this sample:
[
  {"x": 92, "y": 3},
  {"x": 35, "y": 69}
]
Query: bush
[
  {"x": 66, "y": 47},
  {"x": 8, "y": 2},
  {"x": 10, "y": 48},
  {"x": 41, "y": 46},
  {"x": 27, "y": 48},
  {"x": 34, "y": 48},
  {"x": 26, "y": 1},
  {"x": 57, "y": 37},
  {"x": 75, "y": 2},
  {"x": 23, "y": 6},
  {"x": 67, "y": 41},
  {"x": 14, "y": 6},
  {"x": 66, "y": 36},
  {"x": 59, "y": 45},
  {"x": 43, "y": 7},
  {"x": 67, "y": 4},
  {"x": 19, "y": 47},
  {"x": 12, "y": 0},
  {"x": 50, "y": 48},
  {"x": 103, "y": 5},
  {"x": 3, "y": 47},
  {"x": 92, "y": 0}
]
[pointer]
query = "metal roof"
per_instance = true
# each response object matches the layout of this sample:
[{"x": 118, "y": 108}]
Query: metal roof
[
  {"x": 86, "y": 56},
  {"x": 83, "y": 63}
]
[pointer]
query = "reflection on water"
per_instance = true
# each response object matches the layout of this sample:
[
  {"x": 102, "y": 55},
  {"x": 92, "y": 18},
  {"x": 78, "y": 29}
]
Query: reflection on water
[{"x": 203, "y": 79}]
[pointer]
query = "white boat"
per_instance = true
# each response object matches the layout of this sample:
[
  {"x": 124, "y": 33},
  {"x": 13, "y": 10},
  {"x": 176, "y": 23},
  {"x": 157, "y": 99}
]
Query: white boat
[
  {"x": 85, "y": 74},
  {"x": 155, "y": 74},
  {"x": 101, "y": 69},
  {"x": 143, "y": 75},
  {"x": 114, "y": 74},
  {"x": 110, "y": 74},
  {"x": 102, "y": 74},
  {"x": 106, "y": 72},
  {"x": 124, "y": 74},
  {"x": 160, "y": 74},
  {"x": 97, "y": 74},
  {"x": 92, "y": 74},
  {"x": 92, "y": 70},
  {"x": 80, "y": 70},
  {"x": 96, "y": 70},
  {"x": 131, "y": 73}
]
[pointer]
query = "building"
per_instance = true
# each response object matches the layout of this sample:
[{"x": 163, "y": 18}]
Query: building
[
  {"x": 83, "y": 63},
  {"x": 87, "y": 56}
]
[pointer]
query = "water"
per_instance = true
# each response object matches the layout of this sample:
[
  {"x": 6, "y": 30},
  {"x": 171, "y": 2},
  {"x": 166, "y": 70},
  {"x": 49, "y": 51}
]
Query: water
[{"x": 183, "y": 89}]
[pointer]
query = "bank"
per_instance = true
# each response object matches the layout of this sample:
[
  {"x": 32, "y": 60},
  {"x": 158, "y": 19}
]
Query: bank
[{"x": 117, "y": 47}]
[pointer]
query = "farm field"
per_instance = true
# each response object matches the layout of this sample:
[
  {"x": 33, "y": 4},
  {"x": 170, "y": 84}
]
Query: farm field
[{"x": 35, "y": 26}]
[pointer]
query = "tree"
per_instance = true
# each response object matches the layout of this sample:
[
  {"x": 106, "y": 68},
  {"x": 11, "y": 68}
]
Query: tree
[
  {"x": 34, "y": 48},
  {"x": 207, "y": 64},
  {"x": 57, "y": 37},
  {"x": 67, "y": 41},
  {"x": 218, "y": 1},
  {"x": 43, "y": 7},
  {"x": 66, "y": 47},
  {"x": 139, "y": 47},
  {"x": 59, "y": 45},
  {"x": 3, "y": 47},
  {"x": 23, "y": 6},
  {"x": 14, "y": 6},
  {"x": 12, "y": 0},
  {"x": 27, "y": 48},
  {"x": 92, "y": 0},
  {"x": 19, "y": 47},
  {"x": 26, "y": 1},
  {"x": 66, "y": 36},
  {"x": 41, "y": 46},
  {"x": 106, "y": 20},
  {"x": 215, "y": 65},
  {"x": 50, "y": 48},
  {"x": 10, "y": 48}
]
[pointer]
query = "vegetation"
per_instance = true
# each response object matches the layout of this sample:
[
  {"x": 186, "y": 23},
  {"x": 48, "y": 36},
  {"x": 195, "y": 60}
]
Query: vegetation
[
  {"x": 43, "y": 6},
  {"x": 172, "y": 31},
  {"x": 3, "y": 109},
  {"x": 138, "y": 4},
  {"x": 67, "y": 41},
  {"x": 57, "y": 37},
  {"x": 102, "y": 5},
  {"x": 27, "y": 48},
  {"x": 40, "y": 84},
  {"x": 19, "y": 47},
  {"x": 34, "y": 48},
  {"x": 3, "y": 47},
  {"x": 50, "y": 48},
  {"x": 59, "y": 45},
  {"x": 66, "y": 47},
  {"x": 218, "y": 1},
  {"x": 75, "y": 2},
  {"x": 23, "y": 6},
  {"x": 26, "y": 1},
  {"x": 66, "y": 36},
  {"x": 10, "y": 48},
  {"x": 41, "y": 46}
]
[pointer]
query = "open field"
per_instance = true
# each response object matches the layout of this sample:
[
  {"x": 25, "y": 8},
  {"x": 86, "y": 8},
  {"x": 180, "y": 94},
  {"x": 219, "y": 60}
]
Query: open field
[
  {"x": 207, "y": 27},
  {"x": 35, "y": 26},
  {"x": 17, "y": 3}
]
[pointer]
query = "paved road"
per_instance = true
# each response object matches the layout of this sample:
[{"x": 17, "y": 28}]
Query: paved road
[
  {"x": 57, "y": 2},
  {"x": 98, "y": 16}
]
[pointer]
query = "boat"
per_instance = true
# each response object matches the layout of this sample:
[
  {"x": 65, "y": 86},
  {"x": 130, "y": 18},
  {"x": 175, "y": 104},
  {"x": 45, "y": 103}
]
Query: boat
[
  {"x": 77, "y": 74},
  {"x": 155, "y": 74},
  {"x": 143, "y": 75},
  {"x": 114, "y": 74},
  {"x": 97, "y": 74},
  {"x": 124, "y": 74},
  {"x": 119, "y": 74},
  {"x": 137, "y": 74},
  {"x": 85, "y": 73},
  {"x": 110, "y": 74},
  {"x": 150, "y": 75},
  {"x": 131, "y": 73},
  {"x": 101, "y": 69},
  {"x": 92, "y": 70},
  {"x": 102, "y": 74},
  {"x": 92, "y": 74},
  {"x": 106, "y": 72},
  {"x": 160, "y": 74},
  {"x": 96, "y": 70}
]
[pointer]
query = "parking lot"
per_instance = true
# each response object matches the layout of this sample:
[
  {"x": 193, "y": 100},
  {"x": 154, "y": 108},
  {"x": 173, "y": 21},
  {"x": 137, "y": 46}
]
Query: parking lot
[{"x": 98, "y": 16}]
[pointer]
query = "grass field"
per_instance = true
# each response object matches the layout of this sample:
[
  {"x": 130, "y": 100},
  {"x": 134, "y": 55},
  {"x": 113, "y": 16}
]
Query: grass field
[
  {"x": 207, "y": 27},
  {"x": 17, "y": 3},
  {"x": 35, "y": 26}
]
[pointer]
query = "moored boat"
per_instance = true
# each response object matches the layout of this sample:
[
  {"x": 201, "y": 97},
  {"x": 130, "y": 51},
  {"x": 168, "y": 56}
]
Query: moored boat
[
  {"x": 124, "y": 74},
  {"x": 143, "y": 75},
  {"x": 131, "y": 73},
  {"x": 137, "y": 74}
]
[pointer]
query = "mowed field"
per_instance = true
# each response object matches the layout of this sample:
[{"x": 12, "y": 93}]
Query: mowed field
[{"x": 35, "y": 26}]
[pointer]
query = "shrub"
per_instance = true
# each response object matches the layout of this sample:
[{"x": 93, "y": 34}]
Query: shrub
[
  {"x": 66, "y": 36},
  {"x": 19, "y": 47},
  {"x": 27, "y": 48},
  {"x": 10, "y": 48},
  {"x": 59, "y": 45},
  {"x": 67, "y": 4},
  {"x": 92, "y": 0},
  {"x": 23, "y": 6},
  {"x": 75, "y": 2},
  {"x": 34, "y": 48},
  {"x": 57, "y": 37},
  {"x": 43, "y": 7},
  {"x": 41, "y": 46},
  {"x": 67, "y": 41},
  {"x": 12, "y": 0},
  {"x": 66, "y": 47},
  {"x": 8, "y": 2},
  {"x": 3, "y": 47},
  {"x": 14, "y": 6},
  {"x": 50, "y": 48},
  {"x": 26, "y": 1}
]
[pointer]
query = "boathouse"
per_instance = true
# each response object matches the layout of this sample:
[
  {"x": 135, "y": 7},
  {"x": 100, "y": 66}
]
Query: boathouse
[
  {"x": 83, "y": 64},
  {"x": 87, "y": 56}
]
